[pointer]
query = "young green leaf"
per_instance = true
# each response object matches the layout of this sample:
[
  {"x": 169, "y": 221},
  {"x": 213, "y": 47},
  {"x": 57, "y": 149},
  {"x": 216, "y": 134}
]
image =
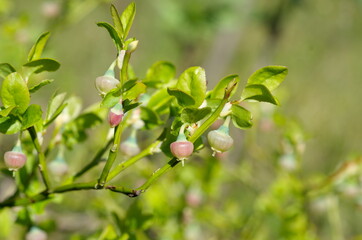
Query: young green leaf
[
  {"x": 15, "y": 93},
  {"x": 160, "y": 101},
  {"x": 9, "y": 125},
  {"x": 38, "y": 47},
  {"x": 127, "y": 18},
  {"x": 117, "y": 21},
  {"x": 270, "y": 76},
  {"x": 129, "y": 105},
  {"x": 6, "y": 69},
  {"x": 75, "y": 130},
  {"x": 219, "y": 91},
  {"x": 6, "y": 111},
  {"x": 193, "y": 115},
  {"x": 150, "y": 117},
  {"x": 41, "y": 65},
  {"x": 160, "y": 72},
  {"x": 135, "y": 91},
  {"x": 31, "y": 116},
  {"x": 259, "y": 93},
  {"x": 55, "y": 104},
  {"x": 113, "y": 33},
  {"x": 36, "y": 87},
  {"x": 111, "y": 98},
  {"x": 241, "y": 117},
  {"x": 193, "y": 82},
  {"x": 183, "y": 99}
]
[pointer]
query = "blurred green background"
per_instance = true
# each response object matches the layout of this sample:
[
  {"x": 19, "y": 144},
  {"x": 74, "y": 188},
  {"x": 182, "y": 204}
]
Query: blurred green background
[{"x": 319, "y": 41}]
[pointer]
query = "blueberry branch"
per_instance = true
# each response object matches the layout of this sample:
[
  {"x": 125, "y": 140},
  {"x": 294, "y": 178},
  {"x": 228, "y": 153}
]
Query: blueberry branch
[
  {"x": 124, "y": 165},
  {"x": 95, "y": 161},
  {"x": 42, "y": 163},
  {"x": 173, "y": 162},
  {"x": 112, "y": 154}
]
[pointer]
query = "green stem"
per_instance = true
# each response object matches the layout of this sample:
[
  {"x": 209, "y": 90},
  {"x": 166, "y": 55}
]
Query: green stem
[
  {"x": 97, "y": 159},
  {"x": 74, "y": 187},
  {"x": 158, "y": 173},
  {"x": 42, "y": 163},
  {"x": 112, "y": 153},
  {"x": 124, "y": 165},
  {"x": 124, "y": 70},
  {"x": 45, "y": 195},
  {"x": 173, "y": 162},
  {"x": 208, "y": 122}
]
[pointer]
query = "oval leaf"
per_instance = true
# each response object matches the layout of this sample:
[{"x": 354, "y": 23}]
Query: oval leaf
[
  {"x": 219, "y": 91},
  {"x": 9, "y": 125},
  {"x": 31, "y": 116},
  {"x": 150, "y": 117},
  {"x": 183, "y": 99},
  {"x": 160, "y": 72},
  {"x": 113, "y": 33},
  {"x": 134, "y": 91},
  {"x": 15, "y": 93},
  {"x": 241, "y": 117},
  {"x": 111, "y": 98},
  {"x": 41, "y": 65},
  {"x": 193, "y": 82},
  {"x": 36, "y": 87},
  {"x": 6, "y": 111},
  {"x": 37, "y": 49},
  {"x": 127, "y": 18},
  {"x": 193, "y": 115},
  {"x": 54, "y": 105},
  {"x": 270, "y": 76},
  {"x": 160, "y": 101},
  {"x": 116, "y": 20},
  {"x": 6, "y": 69},
  {"x": 259, "y": 93}
]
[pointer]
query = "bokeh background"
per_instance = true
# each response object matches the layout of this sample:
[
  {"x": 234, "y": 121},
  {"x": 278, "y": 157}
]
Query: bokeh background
[{"x": 319, "y": 41}]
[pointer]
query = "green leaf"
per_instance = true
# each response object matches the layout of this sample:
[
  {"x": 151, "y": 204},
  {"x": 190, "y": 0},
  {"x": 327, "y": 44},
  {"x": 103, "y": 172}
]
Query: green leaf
[
  {"x": 127, "y": 18},
  {"x": 270, "y": 76},
  {"x": 36, "y": 87},
  {"x": 129, "y": 84},
  {"x": 117, "y": 21},
  {"x": 31, "y": 116},
  {"x": 75, "y": 130},
  {"x": 55, "y": 107},
  {"x": 113, "y": 33},
  {"x": 111, "y": 98},
  {"x": 259, "y": 93},
  {"x": 183, "y": 99},
  {"x": 193, "y": 115},
  {"x": 41, "y": 65},
  {"x": 193, "y": 82},
  {"x": 129, "y": 105},
  {"x": 135, "y": 91},
  {"x": 160, "y": 101},
  {"x": 6, "y": 69},
  {"x": 6, "y": 111},
  {"x": 150, "y": 117},
  {"x": 14, "y": 92},
  {"x": 241, "y": 117},
  {"x": 9, "y": 125},
  {"x": 160, "y": 72},
  {"x": 38, "y": 47},
  {"x": 219, "y": 90}
]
